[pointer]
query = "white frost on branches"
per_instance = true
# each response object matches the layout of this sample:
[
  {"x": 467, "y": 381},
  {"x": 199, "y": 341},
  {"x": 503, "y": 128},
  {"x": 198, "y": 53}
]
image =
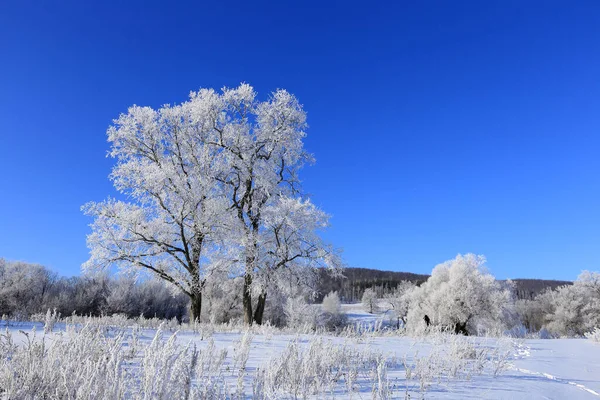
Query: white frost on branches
[
  {"x": 459, "y": 293},
  {"x": 211, "y": 186}
]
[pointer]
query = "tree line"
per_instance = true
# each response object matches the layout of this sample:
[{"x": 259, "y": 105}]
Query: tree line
[
  {"x": 27, "y": 289},
  {"x": 352, "y": 283}
]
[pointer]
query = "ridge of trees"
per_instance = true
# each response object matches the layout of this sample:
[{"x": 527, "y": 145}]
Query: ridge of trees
[{"x": 351, "y": 286}]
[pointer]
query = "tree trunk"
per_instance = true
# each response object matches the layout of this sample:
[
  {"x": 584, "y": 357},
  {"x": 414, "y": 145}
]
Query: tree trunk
[
  {"x": 260, "y": 308},
  {"x": 197, "y": 284},
  {"x": 250, "y": 259},
  {"x": 247, "y": 299},
  {"x": 195, "y": 306},
  {"x": 461, "y": 328}
]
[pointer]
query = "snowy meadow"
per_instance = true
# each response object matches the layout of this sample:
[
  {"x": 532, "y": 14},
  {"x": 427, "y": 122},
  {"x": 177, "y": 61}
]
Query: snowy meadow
[{"x": 116, "y": 357}]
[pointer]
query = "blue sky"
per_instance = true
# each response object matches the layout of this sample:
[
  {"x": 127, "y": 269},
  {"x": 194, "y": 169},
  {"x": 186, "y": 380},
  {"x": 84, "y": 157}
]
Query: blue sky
[{"x": 439, "y": 127}]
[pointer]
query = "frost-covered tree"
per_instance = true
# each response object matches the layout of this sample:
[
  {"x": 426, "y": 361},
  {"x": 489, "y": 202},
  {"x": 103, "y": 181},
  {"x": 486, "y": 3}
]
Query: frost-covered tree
[
  {"x": 531, "y": 313},
  {"x": 291, "y": 250},
  {"x": 211, "y": 185},
  {"x": 573, "y": 309},
  {"x": 369, "y": 301},
  {"x": 332, "y": 304},
  {"x": 24, "y": 287},
  {"x": 173, "y": 222},
  {"x": 460, "y": 295},
  {"x": 332, "y": 316},
  {"x": 121, "y": 298},
  {"x": 399, "y": 300},
  {"x": 223, "y": 298},
  {"x": 150, "y": 298},
  {"x": 262, "y": 145},
  {"x": 85, "y": 295}
]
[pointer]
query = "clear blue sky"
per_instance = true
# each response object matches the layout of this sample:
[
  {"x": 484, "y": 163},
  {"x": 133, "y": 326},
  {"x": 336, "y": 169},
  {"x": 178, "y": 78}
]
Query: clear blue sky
[{"x": 438, "y": 127}]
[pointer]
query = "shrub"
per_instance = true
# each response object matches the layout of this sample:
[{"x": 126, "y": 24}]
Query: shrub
[
  {"x": 369, "y": 301},
  {"x": 594, "y": 335}
]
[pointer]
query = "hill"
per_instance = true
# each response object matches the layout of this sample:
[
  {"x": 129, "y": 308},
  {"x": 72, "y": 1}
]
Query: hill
[
  {"x": 351, "y": 286},
  {"x": 529, "y": 288}
]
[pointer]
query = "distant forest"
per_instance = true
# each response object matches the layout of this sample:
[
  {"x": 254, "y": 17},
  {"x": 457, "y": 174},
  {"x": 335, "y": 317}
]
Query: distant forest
[
  {"x": 27, "y": 289},
  {"x": 351, "y": 286}
]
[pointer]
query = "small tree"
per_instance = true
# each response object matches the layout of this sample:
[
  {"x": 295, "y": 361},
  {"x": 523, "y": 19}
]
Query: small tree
[
  {"x": 332, "y": 317},
  {"x": 369, "y": 301},
  {"x": 399, "y": 301},
  {"x": 332, "y": 304}
]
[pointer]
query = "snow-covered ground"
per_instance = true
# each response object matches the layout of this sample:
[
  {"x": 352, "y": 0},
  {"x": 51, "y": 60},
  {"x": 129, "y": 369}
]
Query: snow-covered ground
[
  {"x": 532, "y": 369},
  {"x": 540, "y": 369}
]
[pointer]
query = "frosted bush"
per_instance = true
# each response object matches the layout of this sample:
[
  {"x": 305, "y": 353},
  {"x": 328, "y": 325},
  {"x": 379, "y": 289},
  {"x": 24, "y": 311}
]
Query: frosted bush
[
  {"x": 332, "y": 317},
  {"x": 299, "y": 314},
  {"x": 517, "y": 331},
  {"x": 322, "y": 368},
  {"x": 332, "y": 304},
  {"x": 82, "y": 365},
  {"x": 594, "y": 335},
  {"x": 545, "y": 334},
  {"x": 369, "y": 301},
  {"x": 572, "y": 310},
  {"x": 167, "y": 369},
  {"x": 456, "y": 357},
  {"x": 50, "y": 320}
]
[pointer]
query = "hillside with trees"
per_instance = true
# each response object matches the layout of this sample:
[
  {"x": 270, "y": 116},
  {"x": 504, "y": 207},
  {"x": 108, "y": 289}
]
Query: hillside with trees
[{"x": 352, "y": 284}]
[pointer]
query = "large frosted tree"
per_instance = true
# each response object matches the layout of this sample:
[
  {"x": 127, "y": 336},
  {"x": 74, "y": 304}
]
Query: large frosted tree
[
  {"x": 263, "y": 145},
  {"x": 173, "y": 223},
  {"x": 572, "y": 309},
  {"x": 290, "y": 250},
  {"x": 459, "y": 295},
  {"x": 211, "y": 185}
]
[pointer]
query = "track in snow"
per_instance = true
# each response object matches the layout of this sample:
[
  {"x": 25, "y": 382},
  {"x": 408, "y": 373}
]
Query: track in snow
[{"x": 525, "y": 351}]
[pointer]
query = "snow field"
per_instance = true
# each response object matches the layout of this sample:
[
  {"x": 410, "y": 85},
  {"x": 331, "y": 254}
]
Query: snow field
[{"x": 100, "y": 361}]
